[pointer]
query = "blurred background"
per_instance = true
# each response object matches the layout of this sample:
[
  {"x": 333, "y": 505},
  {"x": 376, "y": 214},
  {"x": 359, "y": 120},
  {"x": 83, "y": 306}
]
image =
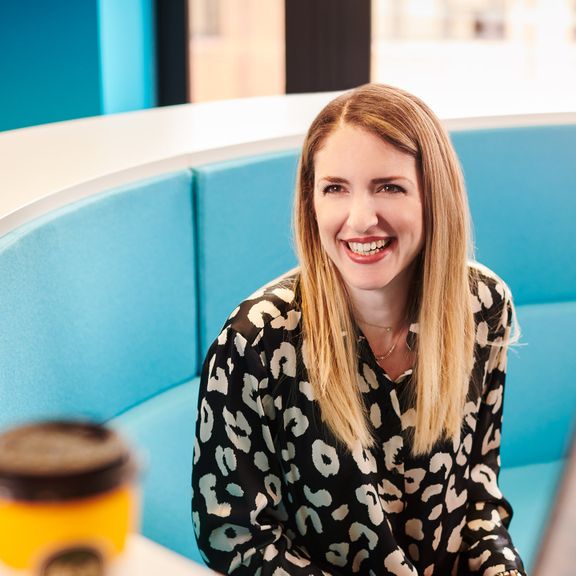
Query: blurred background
[
  {"x": 68, "y": 59},
  {"x": 488, "y": 44}
]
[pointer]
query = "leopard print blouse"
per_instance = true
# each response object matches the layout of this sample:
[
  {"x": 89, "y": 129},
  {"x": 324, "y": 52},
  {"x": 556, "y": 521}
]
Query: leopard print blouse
[{"x": 275, "y": 494}]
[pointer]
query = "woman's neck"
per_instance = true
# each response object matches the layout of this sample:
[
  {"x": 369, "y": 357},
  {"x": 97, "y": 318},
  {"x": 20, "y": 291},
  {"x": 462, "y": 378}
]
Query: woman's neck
[
  {"x": 377, "y": 310},
  {"x": 383, "y": 319}
]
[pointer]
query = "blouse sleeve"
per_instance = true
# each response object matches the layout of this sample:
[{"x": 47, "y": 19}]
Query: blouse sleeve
[
  {"x": 237, "y": 502},
  {"x": 490, "y": 548}
]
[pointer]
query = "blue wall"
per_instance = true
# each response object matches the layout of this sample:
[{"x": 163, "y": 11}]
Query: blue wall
[
  {"x": 127, "y": 55},
  {"x": 66, "y": 59}
]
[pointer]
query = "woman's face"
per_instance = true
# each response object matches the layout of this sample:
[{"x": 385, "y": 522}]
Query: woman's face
[{"x": 368, "y": 206}]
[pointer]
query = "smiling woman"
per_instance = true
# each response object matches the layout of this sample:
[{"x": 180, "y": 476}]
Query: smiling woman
[{"x": 354, "y": 407}]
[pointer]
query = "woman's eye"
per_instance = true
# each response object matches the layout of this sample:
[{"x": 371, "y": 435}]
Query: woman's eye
[
  {"x": 333, "y": 189},
  {"x": 392, "y": 188}
]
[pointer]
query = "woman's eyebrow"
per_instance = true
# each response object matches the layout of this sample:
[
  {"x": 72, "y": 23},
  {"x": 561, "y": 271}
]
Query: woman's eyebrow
[
  {"x": 334, "y": 180},
  {"x": 389, "y": 179},
  {"x": 374, "y": 181}
]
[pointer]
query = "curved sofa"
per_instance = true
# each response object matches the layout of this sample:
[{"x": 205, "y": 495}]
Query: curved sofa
[{"x": 115, "y": 281}]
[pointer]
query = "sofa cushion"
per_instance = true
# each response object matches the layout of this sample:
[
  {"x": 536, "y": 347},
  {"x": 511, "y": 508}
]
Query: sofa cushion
[
  {"x": 540, "y": 399},
  {"x": 163, "y": 430},
  {"x": 97, "y": 302},
  {"x": 244, "y": 209},
  {"x": 521, "y": 187},
  {"x": 530, "y": 490}
]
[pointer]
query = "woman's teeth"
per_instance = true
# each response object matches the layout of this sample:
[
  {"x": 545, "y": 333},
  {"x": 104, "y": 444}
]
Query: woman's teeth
[{"x": 368, "y": 248}]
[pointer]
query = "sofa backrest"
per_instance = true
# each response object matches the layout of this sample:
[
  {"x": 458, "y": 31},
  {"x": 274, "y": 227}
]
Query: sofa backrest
[
  {"x": 97, "y": 303},
  {"x": 540, "y": 402},
  {"x": 522, "y": 188},
  {"x": 244, "y": 211}
]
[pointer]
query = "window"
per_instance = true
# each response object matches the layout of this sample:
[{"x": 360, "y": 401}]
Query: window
[
  {"x": 468, "y": 45},
  {"x": 236, "y": 48}
]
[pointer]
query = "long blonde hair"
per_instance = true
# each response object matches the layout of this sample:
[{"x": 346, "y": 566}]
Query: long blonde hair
[{"x": 440, "y": 298}]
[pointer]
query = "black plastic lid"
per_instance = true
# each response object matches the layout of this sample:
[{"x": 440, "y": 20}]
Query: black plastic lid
[{"x": 62, "y": 460}]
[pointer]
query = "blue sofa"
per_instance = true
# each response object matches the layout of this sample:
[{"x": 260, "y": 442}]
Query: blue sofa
[
  {"x": 110, "y": 304},
  {"x": 521, "y": 184}
]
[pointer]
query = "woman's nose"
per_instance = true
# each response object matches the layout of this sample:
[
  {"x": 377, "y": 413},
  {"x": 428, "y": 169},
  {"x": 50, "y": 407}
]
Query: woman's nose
[{"x": 362, "y": 215}]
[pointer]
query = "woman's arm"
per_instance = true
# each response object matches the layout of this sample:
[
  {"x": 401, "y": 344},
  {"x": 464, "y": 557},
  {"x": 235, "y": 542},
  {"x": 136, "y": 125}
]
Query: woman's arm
[
  {"x": 490, "y": 551},
  {"x": 237, "y": 503}
]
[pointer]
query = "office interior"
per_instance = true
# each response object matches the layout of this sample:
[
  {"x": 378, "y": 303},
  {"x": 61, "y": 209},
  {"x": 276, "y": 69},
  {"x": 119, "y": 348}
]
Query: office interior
[{"x": 137, "y": 136}]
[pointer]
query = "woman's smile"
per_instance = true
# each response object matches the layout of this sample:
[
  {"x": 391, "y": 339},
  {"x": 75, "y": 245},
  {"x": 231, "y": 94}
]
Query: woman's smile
[{"x": 367, "y": 250}]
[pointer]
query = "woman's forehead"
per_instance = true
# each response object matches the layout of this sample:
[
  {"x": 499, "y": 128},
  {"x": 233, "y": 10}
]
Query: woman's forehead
[{"x": 350, "y": 149}]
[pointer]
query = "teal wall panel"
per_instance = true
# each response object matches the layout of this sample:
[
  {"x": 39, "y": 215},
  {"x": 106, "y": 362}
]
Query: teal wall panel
[
  {"x": 49, "y": 63},
  {"x": 127, "y": 55},
  {"x": 62, "y": 60}
]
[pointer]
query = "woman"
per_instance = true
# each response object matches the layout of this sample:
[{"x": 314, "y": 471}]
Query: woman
[{"x": 350, "y": 413}]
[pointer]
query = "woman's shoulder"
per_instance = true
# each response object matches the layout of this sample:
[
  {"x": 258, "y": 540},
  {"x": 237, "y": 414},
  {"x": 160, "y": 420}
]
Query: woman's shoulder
[
  {"x": 492, "y": 299},
  {"x": 486, "y": 284},
  {"x": 274, "y": 308}
]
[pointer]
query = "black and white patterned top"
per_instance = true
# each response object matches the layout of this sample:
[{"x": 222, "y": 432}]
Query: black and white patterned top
[{"x": 275, "y": 494}]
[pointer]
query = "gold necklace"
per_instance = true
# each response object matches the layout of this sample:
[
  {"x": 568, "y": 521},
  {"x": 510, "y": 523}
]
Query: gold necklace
[{"x": 388, "y": 353}]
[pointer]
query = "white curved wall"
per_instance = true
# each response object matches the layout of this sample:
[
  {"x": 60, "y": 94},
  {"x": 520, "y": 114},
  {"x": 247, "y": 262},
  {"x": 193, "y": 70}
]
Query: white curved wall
[{"x": 49, "y": 166}]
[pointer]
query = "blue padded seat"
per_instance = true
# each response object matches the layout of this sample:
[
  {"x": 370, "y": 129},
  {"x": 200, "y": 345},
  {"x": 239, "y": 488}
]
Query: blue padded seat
[
  {"x": 244, "y": 210},
  {"x": 164, "y": 429},
  {"x": 88, "y": 326},
  {"x": 530, "y": 489}
]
